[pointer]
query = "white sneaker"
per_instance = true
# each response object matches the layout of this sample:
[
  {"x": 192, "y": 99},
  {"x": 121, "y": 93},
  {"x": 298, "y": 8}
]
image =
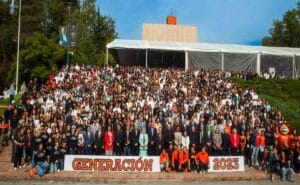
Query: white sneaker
[
  {"x": 58, "y": 170},
  {"x": 15, "y": 168}
]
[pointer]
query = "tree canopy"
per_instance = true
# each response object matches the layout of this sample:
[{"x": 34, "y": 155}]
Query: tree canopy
[
  {"x": 39, "y": 41},
  {"x": 285, "y": 32}
]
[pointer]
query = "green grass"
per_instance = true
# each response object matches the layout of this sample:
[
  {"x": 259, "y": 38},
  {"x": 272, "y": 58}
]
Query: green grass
[
  {"x": 5, "y": 102},
  {"x": 284, "y": 96}
]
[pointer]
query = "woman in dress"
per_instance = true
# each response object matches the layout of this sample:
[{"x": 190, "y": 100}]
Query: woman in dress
[
  {"x": 109, "y": 138},
  {"x": 143, "y": 141}
]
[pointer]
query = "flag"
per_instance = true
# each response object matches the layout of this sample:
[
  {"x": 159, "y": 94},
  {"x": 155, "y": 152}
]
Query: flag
[{"x": 12, "y": 7}]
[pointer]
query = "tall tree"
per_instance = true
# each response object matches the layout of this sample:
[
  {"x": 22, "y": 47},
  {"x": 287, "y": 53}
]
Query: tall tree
[{"x": 285, "y": 32}]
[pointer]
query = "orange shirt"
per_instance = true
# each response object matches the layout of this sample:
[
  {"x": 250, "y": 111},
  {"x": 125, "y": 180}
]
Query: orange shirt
[
  {"x": 183, "y": 157},
  {"x": 175, "y": 156},
  {"x": 164, "y": 157},
  {"x": 202, "y": 157},
  {"x": 283, "y": 140}
]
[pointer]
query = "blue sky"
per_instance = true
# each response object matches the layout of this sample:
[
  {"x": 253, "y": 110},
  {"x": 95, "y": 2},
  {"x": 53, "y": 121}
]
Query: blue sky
[{"x": 218, "y": 21}]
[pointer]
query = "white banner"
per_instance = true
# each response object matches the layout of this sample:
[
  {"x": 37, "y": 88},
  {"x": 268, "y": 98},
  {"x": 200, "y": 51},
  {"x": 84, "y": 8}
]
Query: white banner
[
  {"x": 226, "y": 164},
  {"x": 111, "y": 163}
]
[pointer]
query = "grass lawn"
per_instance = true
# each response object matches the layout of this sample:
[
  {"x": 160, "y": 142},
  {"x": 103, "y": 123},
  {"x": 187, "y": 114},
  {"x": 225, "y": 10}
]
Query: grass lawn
[
  {"x": 5, "y": 102},
  {"x": 284, "y": 96}
]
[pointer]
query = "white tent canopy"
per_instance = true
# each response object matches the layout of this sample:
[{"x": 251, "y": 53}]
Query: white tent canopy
[
  {"x": 233, "y": 57},
  {"x": 205, "y": 47}
]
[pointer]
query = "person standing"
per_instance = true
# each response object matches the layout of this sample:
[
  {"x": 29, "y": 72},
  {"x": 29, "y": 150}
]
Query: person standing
[
  {"x": 19, "y": 143},
  {"x": 99, "y": 141},
  {"x": 128, "y": 140},
  {"x": 143, "y": 141},
  {"x": 235, "y": 142},
  {"x": 12, "y": 91},
  {"x": 88, "y": 141},
  {"x": 109, "y": 138}
]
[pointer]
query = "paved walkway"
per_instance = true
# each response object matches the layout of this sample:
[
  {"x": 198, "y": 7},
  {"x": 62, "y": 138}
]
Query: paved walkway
[{"x": 8, "y": 173}]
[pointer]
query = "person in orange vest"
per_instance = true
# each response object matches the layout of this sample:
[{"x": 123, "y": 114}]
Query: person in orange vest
[
  {"x": 164, "y": 161},
  {"x": 202, "y": 161},
  {"x": 184, "y": 160},
  {"x": 175, "y": 157}
]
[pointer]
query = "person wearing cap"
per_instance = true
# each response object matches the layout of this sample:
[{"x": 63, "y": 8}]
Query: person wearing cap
[
  {"x": 202, "y": 160},
  {"x": 164, "y": 161}
]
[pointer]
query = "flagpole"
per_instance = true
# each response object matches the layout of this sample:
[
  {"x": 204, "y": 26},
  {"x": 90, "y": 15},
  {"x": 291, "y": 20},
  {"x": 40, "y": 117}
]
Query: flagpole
[{"x": 18, "y": 49}]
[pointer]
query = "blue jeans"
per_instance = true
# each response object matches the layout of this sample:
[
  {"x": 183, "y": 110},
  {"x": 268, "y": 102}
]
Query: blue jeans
[
  {"x": 43, "y": 168},
  {"x": 32, "y": 160},
  {"x": 287, "y": 172},
  {"x": 254, "y": 154},
  {"x": 61, "y": 163},
  {"x": 53, "y": 167}
]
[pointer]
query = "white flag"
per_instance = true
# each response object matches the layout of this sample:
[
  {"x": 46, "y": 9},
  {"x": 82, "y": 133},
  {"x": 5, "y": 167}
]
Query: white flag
[{"x": 12, "y": 7}]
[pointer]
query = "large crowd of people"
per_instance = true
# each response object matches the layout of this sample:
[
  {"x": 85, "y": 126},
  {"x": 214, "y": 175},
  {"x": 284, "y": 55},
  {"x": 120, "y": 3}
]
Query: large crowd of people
[{"x": 182, "y": 116}]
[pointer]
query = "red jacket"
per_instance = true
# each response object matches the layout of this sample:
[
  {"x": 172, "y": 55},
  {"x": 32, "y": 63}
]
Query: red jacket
[
  {"x": 234, "y": 140},
  {"x": 108, "y": 141}
]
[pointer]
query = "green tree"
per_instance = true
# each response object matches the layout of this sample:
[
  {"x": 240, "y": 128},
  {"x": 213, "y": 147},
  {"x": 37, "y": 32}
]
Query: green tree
[
  {"x": 39, "y": 52},
  {"x": 40, "y": 56},
  {"x": 94, "y": 32},
  {"x": 285, "y": 32}
]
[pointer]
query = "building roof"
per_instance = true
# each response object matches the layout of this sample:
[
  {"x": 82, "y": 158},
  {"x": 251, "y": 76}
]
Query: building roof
[{"x": 203, "y": 47}]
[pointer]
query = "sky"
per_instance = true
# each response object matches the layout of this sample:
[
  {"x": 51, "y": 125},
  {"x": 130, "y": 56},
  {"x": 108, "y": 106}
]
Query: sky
[{"x": 218, "y": 21}]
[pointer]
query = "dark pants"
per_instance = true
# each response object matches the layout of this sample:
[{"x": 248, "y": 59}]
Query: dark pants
[
  {"x": 202, "y": 167},
  {"x": 18, "y": 157},
  {"x": 11, "y": 98},
  {"x": 88, "y": 150},
  {"x": 135, "y": 150},
  {"x": 235, "y": 151},
  {"x": 99, "y": 150},
  {"x": 127, "y": 150},
  {"x": 28, "y": 154},
  {"x": 151, "y": 149}
]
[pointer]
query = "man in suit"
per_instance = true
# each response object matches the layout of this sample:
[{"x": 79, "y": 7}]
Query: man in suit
[
  {"x": 243, "y": 126},
  {"x": 202, "y": 137},
  {"x": 135, "y": 141},
  {"x": 225, "y": 142},
  {"x": 193, "y": 138},
  {"x": 118, "y": 143},
  {"x": 128, "y": 141},
  {"x": 88, "y": 141},
  {"x": 160, "y": 141},
  {"x": 152, "y": 134},
  {"x": 99, "y": 141},
  {"x": 208, "y": 137}
]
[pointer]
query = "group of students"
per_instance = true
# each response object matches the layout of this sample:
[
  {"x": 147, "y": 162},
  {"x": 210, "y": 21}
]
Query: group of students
[{"x": 181, "y": 116}]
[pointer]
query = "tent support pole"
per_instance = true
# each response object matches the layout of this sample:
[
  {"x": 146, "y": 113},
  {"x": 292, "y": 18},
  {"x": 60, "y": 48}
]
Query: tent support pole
[
  {"x": 258, "y": 63},
  {"x": 186, "y": 60},
  {"x": 222, "y": 59},
  {"x": 294, "y": 67},
  {"x": 146, "y": 58},
  {"x": 106, "y": 58}
]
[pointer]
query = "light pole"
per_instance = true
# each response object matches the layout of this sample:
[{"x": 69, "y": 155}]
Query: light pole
[
  {"x": 18, "y": 48},
  {"x": 69, "y": 15}
]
